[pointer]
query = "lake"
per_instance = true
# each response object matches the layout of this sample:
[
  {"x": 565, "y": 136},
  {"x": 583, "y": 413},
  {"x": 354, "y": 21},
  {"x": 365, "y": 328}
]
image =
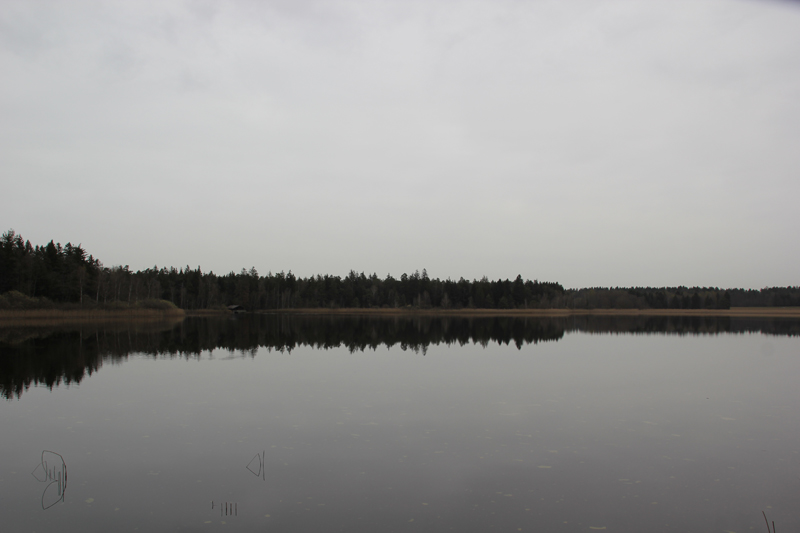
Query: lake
[{"x": 269, "y": 422}]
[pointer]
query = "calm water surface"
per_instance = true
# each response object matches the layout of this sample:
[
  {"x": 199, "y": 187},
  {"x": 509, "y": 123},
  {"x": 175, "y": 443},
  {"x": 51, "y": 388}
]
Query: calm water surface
[{"x": 277, "y": 424}]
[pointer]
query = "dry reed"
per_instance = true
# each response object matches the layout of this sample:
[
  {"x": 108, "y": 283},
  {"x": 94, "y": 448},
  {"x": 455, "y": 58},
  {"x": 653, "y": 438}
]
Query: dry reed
[{"x": 767, "y": 312}]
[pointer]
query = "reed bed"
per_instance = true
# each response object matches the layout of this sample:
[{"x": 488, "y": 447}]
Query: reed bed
[{"x": 767, "y": 312}]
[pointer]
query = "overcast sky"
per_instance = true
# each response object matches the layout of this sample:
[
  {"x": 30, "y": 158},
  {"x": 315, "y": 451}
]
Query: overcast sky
[{"x": 586, "y": 142}]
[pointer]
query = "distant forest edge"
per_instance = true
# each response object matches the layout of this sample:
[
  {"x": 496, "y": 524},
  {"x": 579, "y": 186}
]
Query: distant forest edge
[{"x": 34, "y": 276}]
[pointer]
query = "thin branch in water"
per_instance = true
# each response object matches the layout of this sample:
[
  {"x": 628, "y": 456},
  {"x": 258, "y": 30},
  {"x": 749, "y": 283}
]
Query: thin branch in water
[{"x": 767, "y": 521}]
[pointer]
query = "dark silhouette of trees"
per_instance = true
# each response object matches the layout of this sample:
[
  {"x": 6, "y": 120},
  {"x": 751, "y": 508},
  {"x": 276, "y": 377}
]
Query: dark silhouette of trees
[
  {"x": 66, "y": 274},
  {"x": 62, "y": 274}
]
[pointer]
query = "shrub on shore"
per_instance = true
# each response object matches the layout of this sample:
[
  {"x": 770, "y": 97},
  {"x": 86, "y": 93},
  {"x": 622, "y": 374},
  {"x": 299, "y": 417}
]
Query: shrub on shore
[
  {"x": 16, "y": 301},
  {"x": 152, "y": 303}
]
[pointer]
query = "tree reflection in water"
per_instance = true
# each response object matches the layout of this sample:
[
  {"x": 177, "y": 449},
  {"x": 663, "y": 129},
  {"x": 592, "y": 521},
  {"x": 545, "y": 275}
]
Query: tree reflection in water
[{"x": 54, "y": 356}]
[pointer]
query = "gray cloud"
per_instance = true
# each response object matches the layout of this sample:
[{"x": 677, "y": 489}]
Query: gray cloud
[{"x": 591, "y": 143}]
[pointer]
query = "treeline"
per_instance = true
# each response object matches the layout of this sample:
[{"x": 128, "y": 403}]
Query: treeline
[
  {"x": 769, "y": 297},
  {"x": 68, "y": 274},
  {"x": 649, "y": 298}
]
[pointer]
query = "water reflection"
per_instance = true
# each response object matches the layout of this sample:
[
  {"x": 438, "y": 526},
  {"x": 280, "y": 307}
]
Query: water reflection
[
  {"x": 227, "y": 508},
  {"x": 632, "y": 433},
  {"x": 55, "y": 356},
  {"x": 51, "y": 470},
  {"x": 256, "y": 465}
]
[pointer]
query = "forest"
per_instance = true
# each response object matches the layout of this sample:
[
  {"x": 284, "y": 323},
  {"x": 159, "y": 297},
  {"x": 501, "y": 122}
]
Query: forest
[{"x": 41, "y": 275}]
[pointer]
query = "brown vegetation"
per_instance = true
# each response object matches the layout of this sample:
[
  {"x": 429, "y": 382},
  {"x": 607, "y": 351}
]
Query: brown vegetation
[
  {"x": 57, "y": 317},
  {"x": 209, "y": 312},
  {"x": 775, "y": 312},
  {"x": 17, "y": 310}
]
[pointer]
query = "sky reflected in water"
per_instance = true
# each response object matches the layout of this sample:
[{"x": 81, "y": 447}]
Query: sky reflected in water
[{"x": 622, "y": 432}]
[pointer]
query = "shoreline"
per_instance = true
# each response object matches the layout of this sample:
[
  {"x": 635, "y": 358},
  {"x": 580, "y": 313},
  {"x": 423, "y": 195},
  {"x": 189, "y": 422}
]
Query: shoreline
[
  {"x": 744, "y": 312},
  {"x": 62, "y": 317},
  {"x": 49, "y": 317}
]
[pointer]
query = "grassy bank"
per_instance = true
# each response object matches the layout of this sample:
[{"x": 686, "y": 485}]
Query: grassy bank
[
  {"x": 217, "y": 311},
  {"x": 16, "y": 309},
  {"x": 60, "y": 317},
  {"x": 772, "y": 312}
]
